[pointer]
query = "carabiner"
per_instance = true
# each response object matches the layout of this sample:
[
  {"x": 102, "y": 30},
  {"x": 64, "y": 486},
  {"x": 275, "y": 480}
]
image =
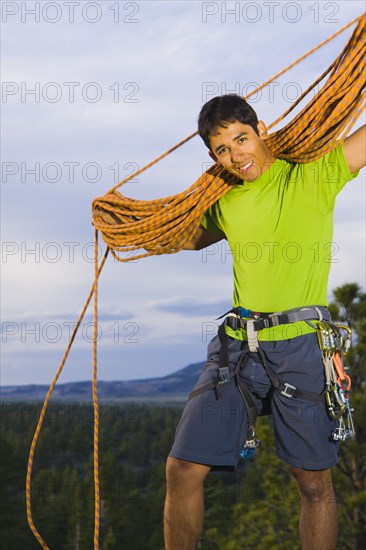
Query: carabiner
[
  {"x": 346, "y": 344},
  {"x": 335, "y": 404},
  {"x": 343, "y": 378}
]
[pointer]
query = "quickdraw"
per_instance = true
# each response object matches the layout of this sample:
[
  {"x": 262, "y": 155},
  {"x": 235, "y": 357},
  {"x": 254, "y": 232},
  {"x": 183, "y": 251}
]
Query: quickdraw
[{"x": 334, "y": 342}]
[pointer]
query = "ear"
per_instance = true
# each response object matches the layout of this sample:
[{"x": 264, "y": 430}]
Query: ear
[
  {"x": 262, "y": 129},
  {"x": 212, "y": 156}
]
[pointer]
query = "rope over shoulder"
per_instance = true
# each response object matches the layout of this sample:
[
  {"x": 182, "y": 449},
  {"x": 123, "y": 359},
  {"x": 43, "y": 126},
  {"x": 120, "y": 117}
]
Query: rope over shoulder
[
  {"x": 134, "y": 229},
  {"x": 163, "y": 226}
]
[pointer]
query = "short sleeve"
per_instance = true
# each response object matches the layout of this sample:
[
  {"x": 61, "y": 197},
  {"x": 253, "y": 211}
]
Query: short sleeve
[
  {"x": 209, "y": 220},
  {"x": 337, "y": 163},
  {"x": 324, "y": 178},
  {"x": 334, "y": 170}
]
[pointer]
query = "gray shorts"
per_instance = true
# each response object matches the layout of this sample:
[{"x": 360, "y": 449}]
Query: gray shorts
[{"x": 212, "y": 431}]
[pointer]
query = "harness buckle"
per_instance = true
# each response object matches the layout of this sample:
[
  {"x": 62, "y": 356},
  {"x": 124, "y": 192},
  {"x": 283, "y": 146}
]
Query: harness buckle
[
  {"x": 266, "y": 323},
  {"x": 234, "y": 321},
  {"x": 274, "y": 317},
  {"x": 223, "y": 375},
  {"x": 288, "y": 390}
]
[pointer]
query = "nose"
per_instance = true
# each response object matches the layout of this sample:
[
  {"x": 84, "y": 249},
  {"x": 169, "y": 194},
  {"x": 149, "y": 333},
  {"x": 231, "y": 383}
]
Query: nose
[{"x": 236, "y": 155}]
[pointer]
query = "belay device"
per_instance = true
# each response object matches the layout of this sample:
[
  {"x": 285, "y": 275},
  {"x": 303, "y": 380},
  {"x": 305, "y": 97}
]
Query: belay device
[{"x": 250, "y": 446}]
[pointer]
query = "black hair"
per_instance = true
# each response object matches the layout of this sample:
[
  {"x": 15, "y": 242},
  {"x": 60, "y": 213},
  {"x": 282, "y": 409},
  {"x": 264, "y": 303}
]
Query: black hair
[{"x": 223, "y": 110}]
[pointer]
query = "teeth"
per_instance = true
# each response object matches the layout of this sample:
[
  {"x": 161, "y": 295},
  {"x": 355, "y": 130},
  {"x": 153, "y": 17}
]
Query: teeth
[{"x": 247, "y": 165}]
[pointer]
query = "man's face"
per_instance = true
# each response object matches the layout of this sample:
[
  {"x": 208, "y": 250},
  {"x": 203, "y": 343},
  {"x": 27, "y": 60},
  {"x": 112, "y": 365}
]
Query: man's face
[{"x": 241, "y": 151}]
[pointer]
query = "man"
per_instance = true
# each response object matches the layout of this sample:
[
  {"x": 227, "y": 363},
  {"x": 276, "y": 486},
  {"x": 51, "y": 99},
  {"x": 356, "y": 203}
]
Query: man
[{"x": 278, "y": 223}]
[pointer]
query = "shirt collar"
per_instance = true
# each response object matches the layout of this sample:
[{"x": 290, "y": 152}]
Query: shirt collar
[{"x": 266, "y": 177}]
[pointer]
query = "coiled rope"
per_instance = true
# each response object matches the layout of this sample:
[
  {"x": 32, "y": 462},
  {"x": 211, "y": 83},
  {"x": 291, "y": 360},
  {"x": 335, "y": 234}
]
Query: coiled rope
[{"x": 164, "y": 225}]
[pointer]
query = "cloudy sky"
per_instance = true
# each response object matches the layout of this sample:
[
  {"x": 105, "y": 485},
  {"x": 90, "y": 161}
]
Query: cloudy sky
[{"x": 93, "y": 90}]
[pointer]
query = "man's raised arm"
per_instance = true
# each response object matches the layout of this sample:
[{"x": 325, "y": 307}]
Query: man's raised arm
[
  {"x": 199, "y": 240},
  {"x": 355, "y": 150}
]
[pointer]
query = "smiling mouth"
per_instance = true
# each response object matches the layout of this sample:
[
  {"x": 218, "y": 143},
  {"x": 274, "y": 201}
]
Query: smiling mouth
[{"x": 243, "y": 169}]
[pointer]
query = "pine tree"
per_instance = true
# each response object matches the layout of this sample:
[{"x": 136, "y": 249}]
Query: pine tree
[{"x": 349, "y": 306}]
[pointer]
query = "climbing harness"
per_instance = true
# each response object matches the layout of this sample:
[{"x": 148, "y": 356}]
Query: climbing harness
[
  {"x": 252, "y": 323},
  {"x": 334, "y": 342},
  {"x": 143, "y": 228}
]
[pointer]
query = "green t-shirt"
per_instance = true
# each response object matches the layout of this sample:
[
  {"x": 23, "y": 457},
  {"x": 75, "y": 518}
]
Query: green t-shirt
[{"x": 279, "y": 228}]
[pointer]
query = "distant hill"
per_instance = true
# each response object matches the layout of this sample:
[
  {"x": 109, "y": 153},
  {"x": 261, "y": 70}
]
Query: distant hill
[{"x": 175, "y": 386}]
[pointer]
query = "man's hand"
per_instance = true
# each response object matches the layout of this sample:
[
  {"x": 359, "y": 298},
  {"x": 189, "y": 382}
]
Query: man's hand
[
  {"x": 355, "y": 149},
  {"x": 106, "y": 217},
  {"x": 203, "y": 238}
]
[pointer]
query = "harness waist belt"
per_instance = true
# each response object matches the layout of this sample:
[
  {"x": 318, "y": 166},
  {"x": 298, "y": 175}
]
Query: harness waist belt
[{"x": 269, "y": 320}]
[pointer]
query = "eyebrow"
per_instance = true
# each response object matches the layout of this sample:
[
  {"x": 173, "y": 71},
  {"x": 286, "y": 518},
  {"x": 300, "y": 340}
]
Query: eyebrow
[{"x": 234, "y": 139}]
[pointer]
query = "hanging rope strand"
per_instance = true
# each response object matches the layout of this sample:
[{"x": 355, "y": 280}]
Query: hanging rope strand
[
  {"x": 95, "y": 399},
  {"x": 44, "y": 409}
]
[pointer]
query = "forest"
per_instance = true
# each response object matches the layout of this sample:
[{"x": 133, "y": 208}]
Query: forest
[{"x": 255, "y": 508}]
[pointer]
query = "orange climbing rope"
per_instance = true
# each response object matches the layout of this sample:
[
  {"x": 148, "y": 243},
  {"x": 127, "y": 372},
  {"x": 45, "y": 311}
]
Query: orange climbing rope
[
  {"x": 164, "y": 225},
  {"x": 142, "y": 228}
]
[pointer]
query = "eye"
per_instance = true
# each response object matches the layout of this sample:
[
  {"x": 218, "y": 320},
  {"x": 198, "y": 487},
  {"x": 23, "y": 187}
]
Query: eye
[
  {"x": 242, "y": 139},
  {"x": 221, "y": 151}
]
